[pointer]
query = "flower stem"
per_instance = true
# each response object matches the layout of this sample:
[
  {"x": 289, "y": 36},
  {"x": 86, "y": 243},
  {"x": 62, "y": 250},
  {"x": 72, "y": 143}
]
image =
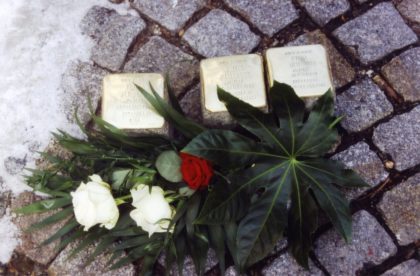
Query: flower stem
[{"x": 121, "y": 200}]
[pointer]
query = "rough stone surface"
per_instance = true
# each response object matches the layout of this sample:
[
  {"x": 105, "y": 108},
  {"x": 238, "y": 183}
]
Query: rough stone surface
[
  {"x": 365, "y": 162},
  {"x": 400, "y": 137},
  {"x": 370, "y": 244},
  {"x": 375, "y": 34},
  {"x": 14, "y": 165},
  {"x": 64, "y": 266},
  {"x": 407, "y": 268},
  {"x": 189, "y": 268},
  {"x": 403, "y": 72},
  {"x": 362, "y": 105},
  {"x": 157, "y": 55},
  {"x": 96, "y": 20},
  {"x": 401, "y": 209},
  {"x": 81, "y": 81},
  {"x": 169, "y": 13},
  {"x": 111, "y": 49},
  {"x": 285, "y": 265},
  {"x": 410, "y": 9},
  {"x": 270, "y": 16},
  {"x": 322, "y": 11},
  {"x": 30, "y": 241},
  {"x": 342, "y": 72},
  {"x": 4, "y": 202},
  {"x": 361, "y": 1},
  {"x": 231, "y": 271},
  {"x": 191, "y": 104},
  {"x": 220, "y": 34}
]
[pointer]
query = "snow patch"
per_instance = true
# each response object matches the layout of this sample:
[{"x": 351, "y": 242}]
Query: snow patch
[{"x": 9, "y": 237}]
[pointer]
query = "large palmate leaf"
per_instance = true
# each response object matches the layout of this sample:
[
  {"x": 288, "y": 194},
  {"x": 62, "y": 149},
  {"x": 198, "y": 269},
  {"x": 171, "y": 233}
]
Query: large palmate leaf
[{"x": 284, "y": 164}]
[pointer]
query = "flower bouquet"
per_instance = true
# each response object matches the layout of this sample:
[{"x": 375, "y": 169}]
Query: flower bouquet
[{"x": 236, "y": 192}]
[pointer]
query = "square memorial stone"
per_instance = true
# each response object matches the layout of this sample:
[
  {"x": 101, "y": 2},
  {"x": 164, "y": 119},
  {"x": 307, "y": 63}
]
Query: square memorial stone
[
  {"x": 125, "y": 107},
  {"x": 240, "y": 75},
  {"x": 305, "y": 68}
]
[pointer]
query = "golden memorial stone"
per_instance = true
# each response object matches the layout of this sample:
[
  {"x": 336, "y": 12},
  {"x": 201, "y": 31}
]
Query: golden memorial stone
[
  {"x": 305, "y": 68},
  {"x": 241, "y": 75},
  {"x": 125, "y": 107}
]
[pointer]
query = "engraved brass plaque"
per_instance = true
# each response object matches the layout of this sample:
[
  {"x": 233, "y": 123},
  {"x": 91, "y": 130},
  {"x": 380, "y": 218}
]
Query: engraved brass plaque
[
  {"x": 305, "y": 68},
  {"x": 240, "y": 75},
  {"x": 125, "y": 107}
]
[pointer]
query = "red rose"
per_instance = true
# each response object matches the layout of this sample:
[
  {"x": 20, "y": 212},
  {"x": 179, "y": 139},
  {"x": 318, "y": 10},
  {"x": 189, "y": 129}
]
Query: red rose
[{"x": 196, "y": 171}]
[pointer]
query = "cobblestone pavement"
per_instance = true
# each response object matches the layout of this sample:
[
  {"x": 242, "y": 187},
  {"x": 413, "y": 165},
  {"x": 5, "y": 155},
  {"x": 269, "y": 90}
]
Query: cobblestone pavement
[{"x": 375, "y": 59}]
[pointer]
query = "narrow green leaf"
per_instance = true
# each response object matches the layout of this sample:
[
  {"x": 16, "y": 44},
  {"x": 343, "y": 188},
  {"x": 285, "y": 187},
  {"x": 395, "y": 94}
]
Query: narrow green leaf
[
  {"x": 60, "y": 215},
  {"x": 69, "y": 226},
  {"x": 44, "y": 205}
]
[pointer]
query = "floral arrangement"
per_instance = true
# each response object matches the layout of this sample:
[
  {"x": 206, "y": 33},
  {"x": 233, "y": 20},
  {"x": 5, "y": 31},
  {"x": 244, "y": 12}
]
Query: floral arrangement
[{"x": 237, "y": 192}]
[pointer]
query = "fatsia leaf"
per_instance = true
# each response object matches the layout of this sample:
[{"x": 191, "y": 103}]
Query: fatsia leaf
[{"x": 168, "y": 165}]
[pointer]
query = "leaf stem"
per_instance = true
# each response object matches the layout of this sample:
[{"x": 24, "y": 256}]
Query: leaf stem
[{"x": 121, "y": 200}]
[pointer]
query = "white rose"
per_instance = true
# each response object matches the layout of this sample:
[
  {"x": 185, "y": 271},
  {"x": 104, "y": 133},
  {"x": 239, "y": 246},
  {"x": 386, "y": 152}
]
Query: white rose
[
  {"x": 93, "y": 204},
  {"x": 153, "y": 211}
]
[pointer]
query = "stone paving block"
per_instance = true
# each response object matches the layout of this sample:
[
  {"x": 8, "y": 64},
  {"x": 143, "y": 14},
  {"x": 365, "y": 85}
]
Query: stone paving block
[
  {"x": 120, "y": 32},
  {"x": 407, "y": 268},
  {"x": 286, "y": 265},
  {"x": 270, "y": 16},
  {"x": 401, "y": 210},
  {"x": 400, "y": 137},
  {"x": 30, "y": 241},
  {"x": 96, "y": 20},
  {"x": 322, "y": 11},
  {"x": 375, "y": 34},
  {"x": 403, "y": 72},
  {"x": 370, "y": 244},
  {"x": 172, "y": 14},
  {"x": 410, "y": 10},
  {"x": 157, "y": 55},
  {"x": 342, "y": 72},
  {"x": 220, "y": 34},
  {"x": 4, "y": 202},
  {"x": 14, "y": 165},
  {"x": 80, "y": 81},
  {"x": 365, "y": 162},
  {"x": 231, "y": 271},
  {"x": 65, "y": 266},
  {"x": 362, "y": 105},
  {"x": 191, "y": 104}
]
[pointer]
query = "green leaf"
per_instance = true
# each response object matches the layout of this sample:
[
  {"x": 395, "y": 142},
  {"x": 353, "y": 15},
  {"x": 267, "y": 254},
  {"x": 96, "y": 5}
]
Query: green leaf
[
  {"x": 44, "y": 205},
  {"x": 168, "y": 165},
  {"x": 60, "y": 215},
  {"x": 69, "y": 226},
  {"x": 217, "y": 241}
]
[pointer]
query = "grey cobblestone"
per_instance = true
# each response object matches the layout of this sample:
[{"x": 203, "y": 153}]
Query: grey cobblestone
[
  {"x": 403, "y": 72},
  {"x": 220, "y": 34},
  {"x": 401, "y": 209},
  {"x": 270, "y": 16},
  {"x": 375, "y": 34},
  {"x": 370, "y": 244},
  {"x": 157, "y": 55},
  {"x": 111, "y": 48},
  {"x": 286, "y": 265},
  {"x": 365, "y": 162},
  {"x": 191, "y": 104},
  {"x": 407, "y": 268},
  {"x": 171, "y": 14},
  {"x": 400, "y": 138},
  {"x": 342, "y": 72},
  {"x": 362, "y": 105},
  {"x": 410, "y": 9},
  {"x": 322, "y": 11},
  {"x": 96, "y": 20}
]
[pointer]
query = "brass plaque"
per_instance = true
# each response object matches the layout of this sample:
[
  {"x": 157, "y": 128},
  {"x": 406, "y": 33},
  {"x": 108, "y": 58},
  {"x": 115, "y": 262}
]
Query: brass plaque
[
  {"x": 125, "y": 107},
  {"x": 240, "y": 75},
  {"x": 305, "y": 68}
]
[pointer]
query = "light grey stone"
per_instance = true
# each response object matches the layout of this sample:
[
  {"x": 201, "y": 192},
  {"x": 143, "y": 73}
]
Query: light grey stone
[
  {"x": 370, "y": 244},
  {"x": 410, "y": 10},
  {"x": 322, "y": 11},
  {"x": 4, "y": 202},
  {"x": 362, "y": 105},
  {"x": 342, "y": 71},
  {"x": 375, "y": 34},
  {"x": 220, "y": 34},
  {"x": 14, "y": 165},
  {"x": 285, "y": 265},
  {"x": 270, "y": 16},
  {"x": 403, "y": 73},
  {"x": 400, "y": 137},
  {"x": 191, "y": 104},
  {"x": 364, "y": 162},
  {"x": 172, "y": 14},
  {"x": 407, "y": 268},
  {"x": 231, "y": 271},
  {"x": 31, "y": 241},
  {"x": 80, "y": 82},
  {"x": 111, "y": 48},
  {"x": 65, "y": 266},
  {"x": 157, "y": 55},
  {"x": 96, "y": 20},
  {"x": 401, "y": 210}
]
